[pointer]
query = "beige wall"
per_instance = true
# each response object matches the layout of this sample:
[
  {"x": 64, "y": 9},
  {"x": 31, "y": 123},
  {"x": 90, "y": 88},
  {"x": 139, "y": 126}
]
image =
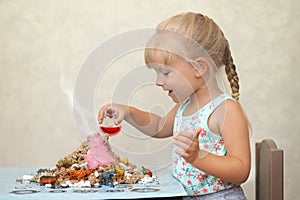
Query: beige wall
[{"x": 44, "y": 43}]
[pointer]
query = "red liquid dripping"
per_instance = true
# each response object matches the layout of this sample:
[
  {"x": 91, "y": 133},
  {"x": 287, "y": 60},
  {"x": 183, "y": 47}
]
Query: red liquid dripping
[{"x": 110, "y": 130}]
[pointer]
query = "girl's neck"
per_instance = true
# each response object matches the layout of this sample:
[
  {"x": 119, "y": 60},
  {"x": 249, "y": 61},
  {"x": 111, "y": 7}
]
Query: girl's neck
[{"x": 202, "y": 96}]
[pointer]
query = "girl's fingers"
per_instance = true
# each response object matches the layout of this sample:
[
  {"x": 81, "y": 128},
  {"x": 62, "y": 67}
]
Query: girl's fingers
[
  {"x": 180, "y": 152},
  {"x": 100, "y": 117},
  {"x": 197, "y": 133},
  {"x": 181, "y": 144},
  {"x": 185, "y": 137},
  {"x": 101, "y": 112},
  {"x": 195, "y": 139},
  {"x": 119, "y": 119},
  {"x": 182, "y": 140},
  {"x": 188, "y": 145}
]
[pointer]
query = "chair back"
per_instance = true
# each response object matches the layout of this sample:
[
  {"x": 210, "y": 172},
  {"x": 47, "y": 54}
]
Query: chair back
[{"x": 268, "y": 171}]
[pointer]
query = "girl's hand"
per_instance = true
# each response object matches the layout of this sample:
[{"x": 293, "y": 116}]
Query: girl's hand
[
  {"x": 121, "y": 109},
  {"x": 188, "y": 144}
]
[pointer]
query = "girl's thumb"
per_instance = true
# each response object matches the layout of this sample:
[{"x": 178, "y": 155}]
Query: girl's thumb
[{"x": 197, "y": 133}]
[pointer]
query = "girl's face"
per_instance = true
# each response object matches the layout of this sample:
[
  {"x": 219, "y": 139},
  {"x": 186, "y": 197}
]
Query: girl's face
[{"x": 176, "y": 77}]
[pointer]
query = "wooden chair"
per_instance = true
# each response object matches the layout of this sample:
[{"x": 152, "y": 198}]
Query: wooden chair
[{"x": 268, "y": 171}]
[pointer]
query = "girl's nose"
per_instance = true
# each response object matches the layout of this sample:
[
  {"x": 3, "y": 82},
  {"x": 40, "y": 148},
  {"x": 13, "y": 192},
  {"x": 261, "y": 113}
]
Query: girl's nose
[{"x": 159, "y": 81}]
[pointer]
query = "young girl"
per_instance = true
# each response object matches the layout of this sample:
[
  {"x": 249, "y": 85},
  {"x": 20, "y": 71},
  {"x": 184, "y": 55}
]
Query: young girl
[{"x": 211, "y": 140}]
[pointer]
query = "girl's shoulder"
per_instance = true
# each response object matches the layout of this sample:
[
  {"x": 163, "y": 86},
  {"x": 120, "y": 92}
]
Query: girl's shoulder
[
  {"x": 230, "y": 107},
  {"x": 226, "y": 110},
  {"x": 234, "y": 116},
  {"x": 233, "y": 106}
]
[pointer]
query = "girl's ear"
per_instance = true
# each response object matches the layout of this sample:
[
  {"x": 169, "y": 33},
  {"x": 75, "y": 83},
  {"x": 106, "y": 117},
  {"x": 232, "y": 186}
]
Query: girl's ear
[{"x": 200, "y": 65}]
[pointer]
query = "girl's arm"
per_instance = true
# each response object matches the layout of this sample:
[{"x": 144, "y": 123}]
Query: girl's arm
[
  {"x": 146, "y": 122},
  {"x": 235, "y": 166}
]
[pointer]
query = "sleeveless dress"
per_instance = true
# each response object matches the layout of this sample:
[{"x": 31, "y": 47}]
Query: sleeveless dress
[{"x": 195, "y": 181}]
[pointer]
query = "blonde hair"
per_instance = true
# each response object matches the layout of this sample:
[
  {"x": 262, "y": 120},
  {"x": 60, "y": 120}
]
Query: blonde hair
[{"x": 210, "y": 37}]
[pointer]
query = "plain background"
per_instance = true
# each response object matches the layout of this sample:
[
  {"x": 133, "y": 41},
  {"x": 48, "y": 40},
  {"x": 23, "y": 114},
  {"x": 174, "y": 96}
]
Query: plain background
[{"x": 44, "y": 43}]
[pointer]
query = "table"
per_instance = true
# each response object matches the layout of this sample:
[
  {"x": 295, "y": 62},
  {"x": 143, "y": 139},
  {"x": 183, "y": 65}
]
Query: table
[{"x": 168, "y": 187}]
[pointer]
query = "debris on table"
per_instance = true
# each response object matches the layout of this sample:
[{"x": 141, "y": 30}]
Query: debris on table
[{"x": 93, "y": 164}]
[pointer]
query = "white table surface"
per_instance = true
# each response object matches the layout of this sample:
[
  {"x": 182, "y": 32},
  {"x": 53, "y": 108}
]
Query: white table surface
[{"x": 167, "y": 187}]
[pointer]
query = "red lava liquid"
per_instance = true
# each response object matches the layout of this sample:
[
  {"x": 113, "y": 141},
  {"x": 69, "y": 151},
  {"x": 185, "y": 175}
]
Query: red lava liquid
[{"x": 110, "y": 130}]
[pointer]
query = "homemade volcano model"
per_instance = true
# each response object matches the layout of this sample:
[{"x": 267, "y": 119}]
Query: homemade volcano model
[{"x": 93, "y": 164}]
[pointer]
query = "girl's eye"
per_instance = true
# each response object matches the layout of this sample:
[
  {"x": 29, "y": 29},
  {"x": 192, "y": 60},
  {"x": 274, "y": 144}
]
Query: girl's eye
[{"x": 166, "y": 73}]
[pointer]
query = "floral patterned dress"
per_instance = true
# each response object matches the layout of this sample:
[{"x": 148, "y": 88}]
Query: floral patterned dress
[{"x": 194, "y": 180}]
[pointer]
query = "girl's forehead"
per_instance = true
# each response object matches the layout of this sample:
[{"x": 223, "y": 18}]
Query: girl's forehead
[
  {"x": 156, "y": 56},
  {"x": 159, "y": 58}
]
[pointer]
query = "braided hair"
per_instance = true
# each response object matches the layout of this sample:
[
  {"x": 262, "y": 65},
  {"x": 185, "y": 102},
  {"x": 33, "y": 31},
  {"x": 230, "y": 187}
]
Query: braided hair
[{"x": 232, "y": 75}]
